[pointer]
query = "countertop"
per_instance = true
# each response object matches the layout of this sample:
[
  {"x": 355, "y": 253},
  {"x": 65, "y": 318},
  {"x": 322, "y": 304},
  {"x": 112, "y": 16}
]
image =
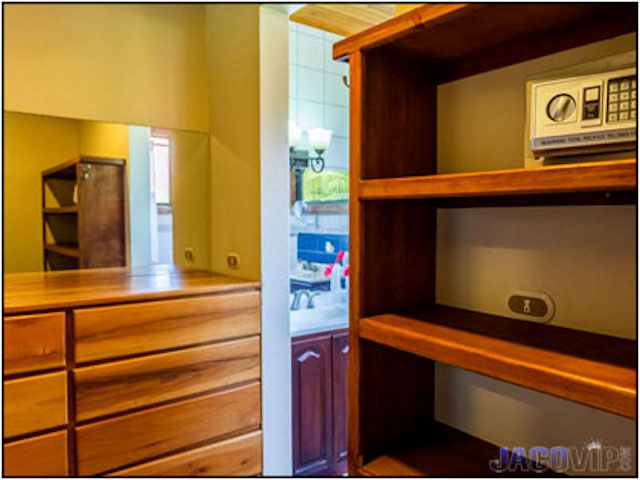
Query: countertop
[
  {"x": 310, "y": 321},
  {"x": 42, "y": 291}
]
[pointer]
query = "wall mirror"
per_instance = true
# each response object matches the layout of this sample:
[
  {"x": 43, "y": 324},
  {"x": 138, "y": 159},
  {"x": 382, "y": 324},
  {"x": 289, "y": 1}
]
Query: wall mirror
[{"x": 88, "y": 194}]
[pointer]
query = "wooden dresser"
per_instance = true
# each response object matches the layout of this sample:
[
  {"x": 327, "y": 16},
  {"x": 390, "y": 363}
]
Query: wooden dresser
[{"x": 141, "y": 372}]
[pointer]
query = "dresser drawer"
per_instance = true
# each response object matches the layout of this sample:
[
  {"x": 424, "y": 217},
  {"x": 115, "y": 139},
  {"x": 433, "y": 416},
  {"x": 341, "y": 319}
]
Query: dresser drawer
[
  {"x": 109, "y": 332},
  {"x": 237, "y": 457},
  {"x": 43, "y": 456},
  {"x": 134, "y": 437},
  {"x": 35, "y": 403},
  {"x": 127, "y": 384},
  {"x": 33, "y": 342}
]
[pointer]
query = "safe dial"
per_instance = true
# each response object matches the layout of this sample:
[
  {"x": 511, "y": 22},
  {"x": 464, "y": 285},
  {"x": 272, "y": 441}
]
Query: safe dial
[{"x": 561, "y": 107}]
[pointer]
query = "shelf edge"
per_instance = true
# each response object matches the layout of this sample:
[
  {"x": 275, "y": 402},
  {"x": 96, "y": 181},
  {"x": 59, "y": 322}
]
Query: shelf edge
[
  {"x": 616, "y": 175},
  {"x": 582, "y": 390}
]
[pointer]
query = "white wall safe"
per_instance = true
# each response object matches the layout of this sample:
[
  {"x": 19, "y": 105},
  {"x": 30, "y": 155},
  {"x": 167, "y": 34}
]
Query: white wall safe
[{"x": 585, "y": 114}]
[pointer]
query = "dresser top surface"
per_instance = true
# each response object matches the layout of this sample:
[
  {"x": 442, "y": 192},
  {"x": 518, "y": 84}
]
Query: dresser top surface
[{"x": 42, "y": 291}]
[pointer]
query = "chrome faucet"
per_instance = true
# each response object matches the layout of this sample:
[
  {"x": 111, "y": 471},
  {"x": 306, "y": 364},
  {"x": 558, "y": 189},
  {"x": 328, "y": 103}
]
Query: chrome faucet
[{"x": 297, "y": 296}]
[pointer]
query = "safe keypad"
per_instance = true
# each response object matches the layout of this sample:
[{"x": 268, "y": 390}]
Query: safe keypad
[{"x": 622, "y": 99}]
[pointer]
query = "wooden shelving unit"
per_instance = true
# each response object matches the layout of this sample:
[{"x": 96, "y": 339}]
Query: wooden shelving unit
[
  {"x": 68, "y": 250},
  {"x": 397, "y": 331},
  {"x": 613, "y": 176},
  {"x": 86, "y": 231},
  {"x": 458, "y": 454},
  {"x": 597, "y": 370},
  {"x": 69, "y": 209}
]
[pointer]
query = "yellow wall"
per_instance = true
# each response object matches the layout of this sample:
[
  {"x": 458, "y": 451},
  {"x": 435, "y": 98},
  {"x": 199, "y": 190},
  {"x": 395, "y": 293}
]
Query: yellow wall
[
  {"x": 128, "y": 63},
  {"x": 233, "y": 61},
  {"x": 100, "y": 139},
  {"x": 191, "y": 198},
  {"x": 31, "y": 144},
  {"x": 153, "y": 65}
]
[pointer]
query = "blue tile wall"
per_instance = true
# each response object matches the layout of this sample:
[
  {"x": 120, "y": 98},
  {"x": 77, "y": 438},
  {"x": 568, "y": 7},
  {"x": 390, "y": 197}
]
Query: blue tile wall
[{"x": 311, "y": 246}]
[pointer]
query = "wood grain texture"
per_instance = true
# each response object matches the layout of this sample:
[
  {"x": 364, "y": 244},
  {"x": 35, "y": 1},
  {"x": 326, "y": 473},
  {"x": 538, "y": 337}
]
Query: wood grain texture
[
  {"x": 123, "y": 440},
  {"x": 443, "y": 452},
  {"x": 340, "y": 355},
  {"x": 356, "y": 231},
  {"x": 35, "y": 403},
  {"x": 592, "y": 369},
  {"x": 68, "y": 168},
  {"x": 37, "y": 291},
  {"x": 108, "y": 332},
  {"x": 343, "y": 18},
  {"x": 118, "y": 386},
  {"x": 399, "y": 134},
  {"x": 395, "y": 28},
  {"x": 101, "y": 215},
  {"x": 43, "y": 456},
  {"x": 33, "y": 342},
  {"x": 236, "y": 457},
  {"x": 312, "y": 405},
  {"x": 458, "y": 40},
  {"x": 615, "y": 175},
  {"x": 66, "y": 249},
  {"x": 397, "y": 399}
]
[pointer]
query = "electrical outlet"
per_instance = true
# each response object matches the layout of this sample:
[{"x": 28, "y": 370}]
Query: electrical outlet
[
  {"x": 233, "y": 260},
  {"x": 532, "y": 306}
]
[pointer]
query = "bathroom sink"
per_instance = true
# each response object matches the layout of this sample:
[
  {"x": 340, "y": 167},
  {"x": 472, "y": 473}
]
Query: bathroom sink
[{"x": 324, "y": 317}]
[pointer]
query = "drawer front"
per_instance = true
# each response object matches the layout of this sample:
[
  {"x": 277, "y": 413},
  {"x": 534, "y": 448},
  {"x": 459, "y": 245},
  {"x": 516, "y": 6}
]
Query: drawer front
[
  {"x": 236, "y": 457},
  {"x": 109, "y": 332},
  {"x": 120, "y": 441},
  {"x": 34, "y": 342},
  {"x": 44, "y": 456},
  {"x": 35, "y": 403},
  {"x": 127, "y": 384}
]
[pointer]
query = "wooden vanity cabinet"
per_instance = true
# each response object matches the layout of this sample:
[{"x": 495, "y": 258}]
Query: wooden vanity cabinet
[
  {"x": 130, "y": 379},
  {"x": 319, "y": 404}
]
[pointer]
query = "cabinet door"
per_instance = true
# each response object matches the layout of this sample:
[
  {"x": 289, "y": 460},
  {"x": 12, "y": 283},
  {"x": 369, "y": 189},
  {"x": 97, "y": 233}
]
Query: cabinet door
[
  {"x": 340, "y": 346},
  {"x": 101, "y": 215},
  {"x": 312, "y": 428}
]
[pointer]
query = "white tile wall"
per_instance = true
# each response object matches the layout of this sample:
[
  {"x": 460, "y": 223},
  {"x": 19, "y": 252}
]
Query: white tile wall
[
  {"x": 336, "y": 93},
  {"x": 337, "y": 119},
  {"x": 310, "y": 51},
  {"x": 310, "y": 84},
  {"x": 317, "y": 94},
  {"x": 310, "y": 114}
]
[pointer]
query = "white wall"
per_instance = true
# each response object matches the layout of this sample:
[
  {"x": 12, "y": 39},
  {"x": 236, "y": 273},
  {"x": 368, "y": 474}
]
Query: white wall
[
  {"x": 274, "y": 202},
  {"x": 139, "y": 196}
]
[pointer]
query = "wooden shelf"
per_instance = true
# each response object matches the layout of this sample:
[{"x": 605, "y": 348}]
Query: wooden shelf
[
  {"x": 612, "y": 176},
  {"x": 67, "y": 170},
  {"x": 445, "y": 452},
  {"x": 457, "y": 40},
  {"x": 596, "y": 370},
  {"x": 68, "y": 250},
  {"x": 61, "y": 210}
]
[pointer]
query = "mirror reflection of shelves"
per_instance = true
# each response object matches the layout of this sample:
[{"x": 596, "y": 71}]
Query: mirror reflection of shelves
[{"x": 83, "y": 214}]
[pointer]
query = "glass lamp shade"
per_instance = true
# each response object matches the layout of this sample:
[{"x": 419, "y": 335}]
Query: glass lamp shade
[
  {"x": 295, "y": 135},
  {"x": 319, "y": 138}
]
